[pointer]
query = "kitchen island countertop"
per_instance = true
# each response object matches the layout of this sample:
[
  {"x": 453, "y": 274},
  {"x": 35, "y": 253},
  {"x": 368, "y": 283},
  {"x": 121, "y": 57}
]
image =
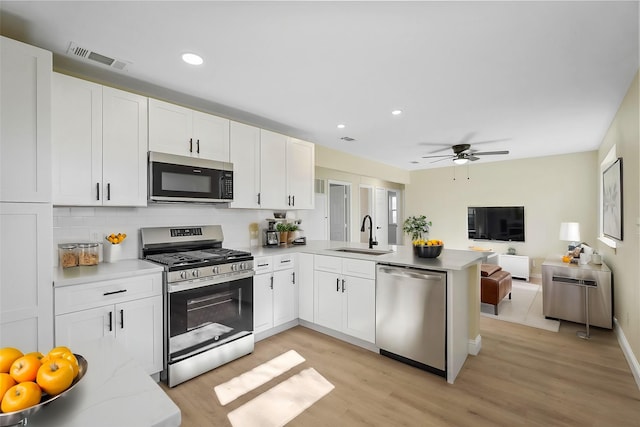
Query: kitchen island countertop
[{"x": 115, "y": 391}]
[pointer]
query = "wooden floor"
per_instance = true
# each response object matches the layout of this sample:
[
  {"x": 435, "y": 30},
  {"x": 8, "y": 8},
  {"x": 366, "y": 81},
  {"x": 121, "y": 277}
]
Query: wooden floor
[{"x": 522, "y": 377}]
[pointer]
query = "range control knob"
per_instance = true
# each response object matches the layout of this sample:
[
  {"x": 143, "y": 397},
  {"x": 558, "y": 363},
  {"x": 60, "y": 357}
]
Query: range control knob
[
  {"x": 195, "y": 273},
  {"x": 215, "y": 270},
  {"x": 183, "y": 274},
  {"x": 234, "y": 267}
]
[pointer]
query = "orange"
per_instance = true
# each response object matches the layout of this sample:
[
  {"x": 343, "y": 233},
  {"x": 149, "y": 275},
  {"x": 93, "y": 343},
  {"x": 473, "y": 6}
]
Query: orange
[
  {"x": 21, "y": 396},
  {"x": 6, "y": 382},
  {"x": 36, "y": 354},
  {"x": 8, "y": 355},
  {"x": 25, "y": 368},
  {"x": 58, "y": 351},
  {"x": 74, "y": 362}
]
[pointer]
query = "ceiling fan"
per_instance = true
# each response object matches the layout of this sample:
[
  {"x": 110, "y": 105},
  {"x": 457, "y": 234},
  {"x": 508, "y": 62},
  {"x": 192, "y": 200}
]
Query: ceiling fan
[{"x": 462, "y": 153}]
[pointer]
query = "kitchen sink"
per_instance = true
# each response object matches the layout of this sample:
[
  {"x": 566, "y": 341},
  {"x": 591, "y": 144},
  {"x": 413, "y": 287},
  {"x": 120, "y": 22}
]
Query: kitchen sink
[{"x": 363, "y": 251}]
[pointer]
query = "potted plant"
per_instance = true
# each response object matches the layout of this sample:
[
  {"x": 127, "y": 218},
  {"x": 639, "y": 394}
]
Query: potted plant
[
  {"x": 292, "y": 232},
  {"x": 283, "y": 229},
  {"x": 416, "y": 226}
]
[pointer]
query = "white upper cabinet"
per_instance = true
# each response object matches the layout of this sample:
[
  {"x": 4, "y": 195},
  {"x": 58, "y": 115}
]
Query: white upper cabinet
[
  {"x": 245, "y": 156},
  {"x": 25, "y": 123},
  {"x": 287, "y": 172},
  {"x": 99, "y": 145},
  {"x": 178, "y": 130},
  {"x": 300, "y": 174}
]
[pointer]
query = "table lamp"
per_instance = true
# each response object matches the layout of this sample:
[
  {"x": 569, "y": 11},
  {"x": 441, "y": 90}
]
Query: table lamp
[{"x": 570, "y": 232}]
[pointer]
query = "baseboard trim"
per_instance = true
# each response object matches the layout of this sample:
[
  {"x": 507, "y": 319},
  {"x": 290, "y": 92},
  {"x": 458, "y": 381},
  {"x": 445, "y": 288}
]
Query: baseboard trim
[
  {"x": 627, "y": 351},
  {"x": 474, "y": 345}
]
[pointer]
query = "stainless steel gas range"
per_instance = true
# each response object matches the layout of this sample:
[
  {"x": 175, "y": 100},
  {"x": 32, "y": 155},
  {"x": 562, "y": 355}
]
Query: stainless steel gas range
[{"x": 208, "y": 299}]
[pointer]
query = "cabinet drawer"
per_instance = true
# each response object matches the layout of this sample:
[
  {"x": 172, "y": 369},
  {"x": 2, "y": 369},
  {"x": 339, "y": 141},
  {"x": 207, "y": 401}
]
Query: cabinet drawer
[
  {"x": 263, "y": 265},
  {"x": 359, "y": 268},
  {"x": 81, "y": 297},
  {"x": 328, "y": 263},
  {"x": 284, "y": 261}
]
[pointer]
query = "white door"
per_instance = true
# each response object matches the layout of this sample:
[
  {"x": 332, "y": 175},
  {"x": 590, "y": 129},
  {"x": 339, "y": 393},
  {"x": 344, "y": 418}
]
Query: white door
[
  {"x": 211, "y": 136},
  {"x": 338, "y": 212},
  {"x": 77, "y": 328},
  {"x": 170, "y": 128},
  {"x": 284, "y": 292},
  {"x": 245, "y": 156},
  {"x": 262, "y": 302},
  {"x": 380, "y": 217},
  {"x": 359, "y": 311},
  {"x": 273, "y": 174},
  {"x": 328, "y": 301},
  {"x": 300, "y": 173}
]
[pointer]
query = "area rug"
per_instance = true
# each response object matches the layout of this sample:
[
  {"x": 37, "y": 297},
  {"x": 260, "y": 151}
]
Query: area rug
[
  {"x": 250, "y": 380},
  {"x": 524, "y": 307},
  {"x": 282, "y": 403}
]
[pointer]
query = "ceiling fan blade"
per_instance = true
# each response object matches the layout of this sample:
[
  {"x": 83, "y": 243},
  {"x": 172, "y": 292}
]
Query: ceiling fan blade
[
  {"x": 487, "y": 141},
  {"x": 473, "y": 158},
  {"x": 466, "y": 138},
  {"x": 448, "y": 147},
  {"x": 439, "y": 160},
  {"x": 441, "y": 155},
  {"x": 490, "y": 153}
]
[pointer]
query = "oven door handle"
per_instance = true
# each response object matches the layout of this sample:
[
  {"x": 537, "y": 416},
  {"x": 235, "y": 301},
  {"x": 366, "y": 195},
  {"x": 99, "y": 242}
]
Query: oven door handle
[{"x": 223, "y": 278}]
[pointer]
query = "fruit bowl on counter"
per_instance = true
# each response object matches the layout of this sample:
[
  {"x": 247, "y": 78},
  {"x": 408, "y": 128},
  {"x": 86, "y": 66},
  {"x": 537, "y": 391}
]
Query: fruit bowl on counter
[
  {"x": 427, "y": 248},
  {"x": 20, "y": 417}
]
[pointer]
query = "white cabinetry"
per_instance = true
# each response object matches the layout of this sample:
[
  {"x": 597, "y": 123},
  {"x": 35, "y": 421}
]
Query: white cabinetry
[
  {"x": 305, "y": 286},
  {"x": 130, "y": 310},
  {"x": 517, "y": 265},
  {"x": 26, "y": 295},
  {"x": 99, "y": 145},
  {"x": 25, "y": 123},
  {"x": 245, "y": 156},
  {"x": 178, "y": 130},
  {"x": 274, "y": 292},
  {"x": 345, "y": 295},
  {"x": 287, "y": 172}
]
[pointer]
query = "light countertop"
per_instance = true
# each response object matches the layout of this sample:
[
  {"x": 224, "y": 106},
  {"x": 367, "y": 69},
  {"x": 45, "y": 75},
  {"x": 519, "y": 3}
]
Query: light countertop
[
  {"x": 103, "y": 271},
  {"x": 115, "y": 391},
  {"x": 449, "y": 259}
]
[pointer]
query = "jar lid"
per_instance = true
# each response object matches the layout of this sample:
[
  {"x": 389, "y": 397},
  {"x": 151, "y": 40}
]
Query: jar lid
[
  {"x": 87, "y": 245},
  {"x": 67, "y": 246}
]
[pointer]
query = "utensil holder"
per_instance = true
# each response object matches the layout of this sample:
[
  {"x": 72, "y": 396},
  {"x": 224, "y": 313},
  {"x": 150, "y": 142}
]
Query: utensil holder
[{"x": 111, "y": 252}]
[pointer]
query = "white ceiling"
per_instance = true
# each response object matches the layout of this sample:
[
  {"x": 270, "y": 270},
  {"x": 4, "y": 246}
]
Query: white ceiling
[{"x": 542, "y": 78}]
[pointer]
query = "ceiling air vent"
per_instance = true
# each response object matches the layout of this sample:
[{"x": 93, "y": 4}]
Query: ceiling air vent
[
  {"x": 75, "y": 50},
  {"x": 347, "y": 138}
]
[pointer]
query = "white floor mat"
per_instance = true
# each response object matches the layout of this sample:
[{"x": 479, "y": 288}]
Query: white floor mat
[
  {"x": 282, "y": 403},
  {"x": 524, "y": 307},
  {"x": 250, "y": 380}
]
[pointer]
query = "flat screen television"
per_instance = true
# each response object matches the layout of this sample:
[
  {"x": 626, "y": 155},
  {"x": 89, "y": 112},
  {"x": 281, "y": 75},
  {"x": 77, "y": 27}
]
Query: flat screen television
[{"x": 503, "y": 223}]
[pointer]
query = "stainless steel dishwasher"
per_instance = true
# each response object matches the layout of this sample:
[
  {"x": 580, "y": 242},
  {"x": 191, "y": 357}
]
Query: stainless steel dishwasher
[{"x": 411, "y": 316}]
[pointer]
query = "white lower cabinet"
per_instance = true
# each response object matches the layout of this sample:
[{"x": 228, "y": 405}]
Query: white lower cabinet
[
  {"x": 130, "y": 310},
  {"x": 274, "y": 292},
  {"x": 305, "y": 286},
  {"x": 345, "y": 295}
]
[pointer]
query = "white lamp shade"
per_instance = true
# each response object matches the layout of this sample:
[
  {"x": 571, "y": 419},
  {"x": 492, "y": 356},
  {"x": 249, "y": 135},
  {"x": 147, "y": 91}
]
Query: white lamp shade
[{"x": 570, "y": 231}]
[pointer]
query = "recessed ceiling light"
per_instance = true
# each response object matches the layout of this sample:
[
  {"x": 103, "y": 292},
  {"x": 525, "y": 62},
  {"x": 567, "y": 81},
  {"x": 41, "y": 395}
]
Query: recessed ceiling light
[
  {"x": 192, "y": 58},
  {"x": 341, "y": 126},
  {"x": 396, "y": 112}
]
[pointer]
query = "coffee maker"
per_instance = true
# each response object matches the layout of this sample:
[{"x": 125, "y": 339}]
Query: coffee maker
[{"x": 271, "y": 237}]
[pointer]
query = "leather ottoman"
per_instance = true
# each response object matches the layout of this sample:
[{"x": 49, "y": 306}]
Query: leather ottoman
[{"x": 495, "y": 284}]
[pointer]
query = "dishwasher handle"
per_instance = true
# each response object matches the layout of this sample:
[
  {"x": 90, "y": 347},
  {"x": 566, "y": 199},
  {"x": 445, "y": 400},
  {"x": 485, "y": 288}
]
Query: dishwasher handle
[{"x": 413, "y": 274}]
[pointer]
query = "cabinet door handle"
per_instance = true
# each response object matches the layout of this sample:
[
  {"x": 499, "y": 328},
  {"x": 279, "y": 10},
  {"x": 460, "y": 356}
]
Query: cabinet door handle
[
  {"x": 109, "y": 191},
  {"x": 191, "y": 145},
  {"x": 110, "y": 321},
  {"x": 198, "y": 146},
  {"x": 121, "y": 319},
  {"x": 342, "y": 285},
  {"x": 271, "y": 285},
  {"x": 337, "y": 284},
  {"x": 97, "y": 191},
  {"x": 289, "y": 202},
  {"x": 293, "y": 278},
  {"x": 114, "y": 292},
  {"x": 293, "y": 200},
  {"x": 258, "y": 198}
]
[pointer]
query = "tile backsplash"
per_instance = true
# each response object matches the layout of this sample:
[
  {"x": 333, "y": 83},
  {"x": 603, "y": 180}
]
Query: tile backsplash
[{"x": 92, "y": 224}]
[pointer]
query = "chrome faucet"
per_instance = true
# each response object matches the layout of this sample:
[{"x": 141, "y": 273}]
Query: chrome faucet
[{"x": 371, "y": 242}]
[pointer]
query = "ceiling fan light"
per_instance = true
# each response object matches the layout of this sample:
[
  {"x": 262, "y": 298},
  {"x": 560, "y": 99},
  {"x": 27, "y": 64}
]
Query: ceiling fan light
[{"x": 460, "y": 160}]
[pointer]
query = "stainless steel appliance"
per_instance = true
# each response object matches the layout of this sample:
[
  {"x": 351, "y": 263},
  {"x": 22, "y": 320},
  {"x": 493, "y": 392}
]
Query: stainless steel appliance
[
  {"x": 189, "y": 179},
  {"x": 270, "y": 236},
  {"x": 208, "y": 299},
  {"x": 411, "y": 316},
  {"x": 564, "y": 292}
]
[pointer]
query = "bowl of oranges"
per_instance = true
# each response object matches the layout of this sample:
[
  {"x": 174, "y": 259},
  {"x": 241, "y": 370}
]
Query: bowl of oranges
[
  {"x": 431, "y": 248},
  {"x": 30, "y": 381}
]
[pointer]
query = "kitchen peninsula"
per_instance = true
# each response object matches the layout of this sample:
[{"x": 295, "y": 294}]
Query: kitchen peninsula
[{"x": 462, "y": 269}]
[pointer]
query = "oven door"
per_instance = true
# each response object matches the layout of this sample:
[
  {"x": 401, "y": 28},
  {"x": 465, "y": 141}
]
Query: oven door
[
  {"x": 186, "y": 179},
  {"x": 208, "y": 316}
]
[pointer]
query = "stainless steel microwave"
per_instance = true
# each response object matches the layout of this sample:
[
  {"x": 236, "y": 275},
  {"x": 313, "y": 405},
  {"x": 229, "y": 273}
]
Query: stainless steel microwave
[{"x": 175, "y": 178}]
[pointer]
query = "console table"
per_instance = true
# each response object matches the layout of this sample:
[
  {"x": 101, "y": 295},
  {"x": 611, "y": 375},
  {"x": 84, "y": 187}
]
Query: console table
[{"x": 564, "y": 288}]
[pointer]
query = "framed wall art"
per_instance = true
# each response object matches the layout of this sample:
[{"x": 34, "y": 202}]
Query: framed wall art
[{"x": 612, "y": 200}]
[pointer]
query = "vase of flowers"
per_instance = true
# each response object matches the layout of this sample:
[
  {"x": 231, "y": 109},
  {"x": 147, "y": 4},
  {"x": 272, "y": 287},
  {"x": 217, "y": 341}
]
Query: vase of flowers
[{"x": 416, "y": 226}]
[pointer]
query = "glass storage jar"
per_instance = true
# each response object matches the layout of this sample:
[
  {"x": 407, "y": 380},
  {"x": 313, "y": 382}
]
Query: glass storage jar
[
  {"x": 68, "y": 255},
  {"x": 87, "y": 254}
]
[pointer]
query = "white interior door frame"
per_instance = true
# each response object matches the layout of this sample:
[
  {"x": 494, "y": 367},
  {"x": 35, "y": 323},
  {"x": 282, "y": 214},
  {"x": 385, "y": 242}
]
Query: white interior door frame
[
  {"x": 380, "y": 217},
  {"x": 339, "y": 216}
]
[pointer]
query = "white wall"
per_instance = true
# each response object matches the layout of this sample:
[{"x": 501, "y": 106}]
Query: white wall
[{"x": 552, "y": 189}]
